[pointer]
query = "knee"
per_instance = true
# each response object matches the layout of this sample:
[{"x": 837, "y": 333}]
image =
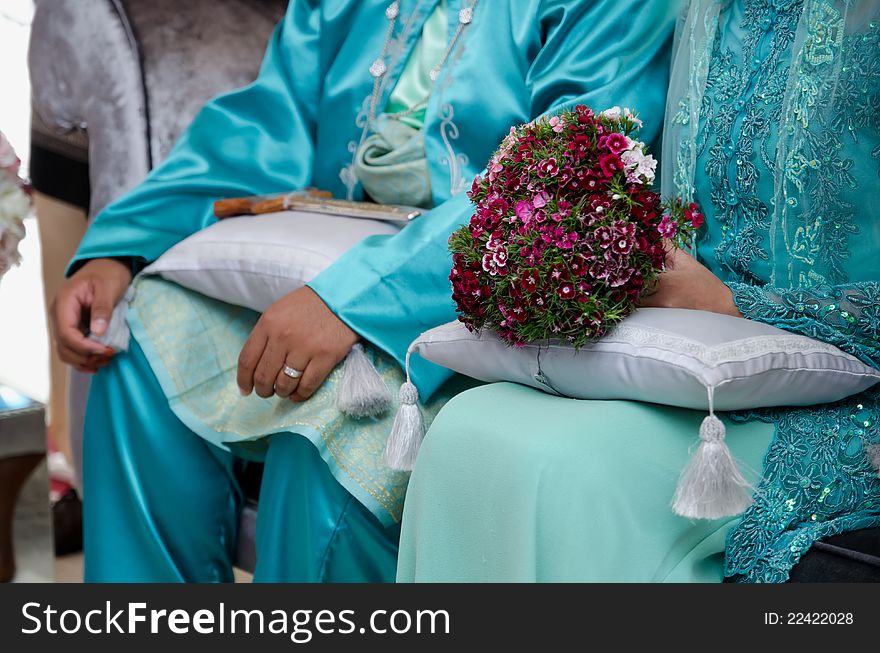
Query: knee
[
  {"x": 534, "y": 430},
  {"x": 290, "y": 446}
]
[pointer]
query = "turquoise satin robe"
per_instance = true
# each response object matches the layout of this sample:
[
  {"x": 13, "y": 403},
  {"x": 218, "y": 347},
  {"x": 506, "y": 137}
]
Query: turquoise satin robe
[{"x": 298, "y": 123}]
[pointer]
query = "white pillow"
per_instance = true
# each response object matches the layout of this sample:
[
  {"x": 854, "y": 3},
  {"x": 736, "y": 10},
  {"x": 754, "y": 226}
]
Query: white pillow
[
  {"x": 253, "y": 261},
  {"x": 674, "y": 357}
]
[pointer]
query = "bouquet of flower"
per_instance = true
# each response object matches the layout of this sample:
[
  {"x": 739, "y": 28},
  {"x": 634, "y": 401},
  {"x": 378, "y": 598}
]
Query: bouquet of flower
[
  {"x": 15, "y": 203},
  {"x": 568, "y": 234}
]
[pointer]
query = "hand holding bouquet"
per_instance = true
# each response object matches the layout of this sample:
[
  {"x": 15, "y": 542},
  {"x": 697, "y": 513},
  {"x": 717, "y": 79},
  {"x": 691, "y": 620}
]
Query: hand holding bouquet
[
  {"x": 568, "y": 234},
  {"x": 15, "y": 204}
]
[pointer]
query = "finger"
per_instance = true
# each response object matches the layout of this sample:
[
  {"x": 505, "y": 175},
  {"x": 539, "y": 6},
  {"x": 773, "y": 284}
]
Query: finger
[
  {"x": 313, "y": 377},
  {"x": 103, "y": 301},
  {"x": 68, "y": 315},
  {"x": 72, "y": 357},
  {"x": 248, "y": 359},
  {"x": 92, "y": 361},
  {"x": 268, "y": 369},
  {"x": 284, "y": 384}
]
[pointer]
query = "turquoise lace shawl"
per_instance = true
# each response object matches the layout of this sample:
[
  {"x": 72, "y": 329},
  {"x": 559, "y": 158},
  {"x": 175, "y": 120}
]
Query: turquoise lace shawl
[{"x": 775, "y": 131}]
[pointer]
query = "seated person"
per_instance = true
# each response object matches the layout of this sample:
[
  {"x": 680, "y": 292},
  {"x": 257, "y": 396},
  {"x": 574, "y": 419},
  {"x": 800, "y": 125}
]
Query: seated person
[
  {"x": 437, "y": 84},
  {"x": 778, "y": 143}
]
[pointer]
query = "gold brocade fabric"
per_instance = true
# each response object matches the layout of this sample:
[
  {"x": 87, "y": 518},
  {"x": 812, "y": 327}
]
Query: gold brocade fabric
[{"x": 193, "y": 342}]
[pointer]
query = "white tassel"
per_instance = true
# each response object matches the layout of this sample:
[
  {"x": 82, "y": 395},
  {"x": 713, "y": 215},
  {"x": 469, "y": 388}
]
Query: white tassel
[
  {"x": 408, "y": 431},
  {"x": 874, "y": 456},
  {"x": 711, "y": 486},
  {"x": 362, "y": 391},
  {"x": 117, "y": 334}
]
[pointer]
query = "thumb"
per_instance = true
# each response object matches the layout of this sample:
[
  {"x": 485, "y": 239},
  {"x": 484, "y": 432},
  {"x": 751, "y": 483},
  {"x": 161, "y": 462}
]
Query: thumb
[{"x": 102, "y": 308}]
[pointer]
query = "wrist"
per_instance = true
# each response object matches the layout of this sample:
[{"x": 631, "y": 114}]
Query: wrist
[
  {"x": 119, "y": 268},
  {"x": 728, "y": 304}
]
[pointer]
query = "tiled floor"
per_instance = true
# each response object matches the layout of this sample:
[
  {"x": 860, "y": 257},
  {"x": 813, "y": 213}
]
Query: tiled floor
[{"x": 69, "y": 568}]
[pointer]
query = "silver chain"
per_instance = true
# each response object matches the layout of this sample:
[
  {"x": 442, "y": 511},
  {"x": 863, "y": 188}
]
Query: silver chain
[{"x": 379, "y": 69}]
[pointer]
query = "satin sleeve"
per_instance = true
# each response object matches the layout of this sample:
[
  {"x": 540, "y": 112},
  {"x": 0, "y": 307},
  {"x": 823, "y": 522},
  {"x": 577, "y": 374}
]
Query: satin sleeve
[
  {"x": 389, "y": 289},
  {"x": 846, "y": 316},
  {"x": 603, "y": 53},
  {"x": 252, "y": 141}
]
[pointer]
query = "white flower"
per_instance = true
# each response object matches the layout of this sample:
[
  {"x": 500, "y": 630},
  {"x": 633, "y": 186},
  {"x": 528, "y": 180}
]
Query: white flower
[
  {"x": 638, "y": 165},
  {"x": 632, "y": 117},
  {"x": 647, "y": 168},
  {"x": 611, "y": 114},
  {"x": 14, "y": 207}
]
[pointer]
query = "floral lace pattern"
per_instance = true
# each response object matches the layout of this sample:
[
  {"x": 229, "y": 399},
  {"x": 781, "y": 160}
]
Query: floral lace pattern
[
  {"x": 743, "y": 103},
  {"x": 846, "y": 316},
  {"x": 818, "y": 480},
  {"x": 816, "y": 160}
]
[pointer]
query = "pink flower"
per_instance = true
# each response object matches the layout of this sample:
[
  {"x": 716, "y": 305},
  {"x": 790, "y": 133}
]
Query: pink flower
[
  {"x": 667, "y": 227},
  {"x": 614, "y": 142},
  {"x": 475, "y": 187},
  {"x": 524, "y": 211},
  {"x": 557, "y": 124},
  {"x": 540, "y": 200}
]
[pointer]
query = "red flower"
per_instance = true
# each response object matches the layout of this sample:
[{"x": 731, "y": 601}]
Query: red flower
[
  {"x": 566, "y": 290},
  {"x": 548, "y": 168},
  {"x": 610, "y": 164},
  {"x": 692, "y": 214},
  {"x": 530, "y": 281}
]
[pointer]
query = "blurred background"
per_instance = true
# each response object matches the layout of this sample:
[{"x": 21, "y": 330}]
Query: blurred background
[
  {"x": 24, "y": 362},
  {"x": 93, "y": 94}
]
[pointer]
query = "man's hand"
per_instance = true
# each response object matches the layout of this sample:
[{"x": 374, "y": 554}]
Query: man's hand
[
  {"x": 688, "y": 284},
  {"x": 84, "y": 304},
  {"x": 298, "y": 331}
]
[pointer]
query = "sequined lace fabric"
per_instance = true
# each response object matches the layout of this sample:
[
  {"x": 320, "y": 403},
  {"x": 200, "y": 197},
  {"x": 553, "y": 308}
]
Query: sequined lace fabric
[{"x": 817, "y": 478}]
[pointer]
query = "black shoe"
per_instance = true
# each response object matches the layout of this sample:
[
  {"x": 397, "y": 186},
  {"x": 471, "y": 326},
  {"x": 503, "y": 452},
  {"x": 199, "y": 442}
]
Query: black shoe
[{"x": 67, "y": 522}]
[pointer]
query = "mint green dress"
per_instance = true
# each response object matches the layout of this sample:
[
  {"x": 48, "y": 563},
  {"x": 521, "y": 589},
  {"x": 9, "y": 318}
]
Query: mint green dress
[{"x": 773, "y": 128}]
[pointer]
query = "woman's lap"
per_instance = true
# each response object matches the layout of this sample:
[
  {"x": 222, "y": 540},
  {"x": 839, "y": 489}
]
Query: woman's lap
[{"x": 514, "y": 484}]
